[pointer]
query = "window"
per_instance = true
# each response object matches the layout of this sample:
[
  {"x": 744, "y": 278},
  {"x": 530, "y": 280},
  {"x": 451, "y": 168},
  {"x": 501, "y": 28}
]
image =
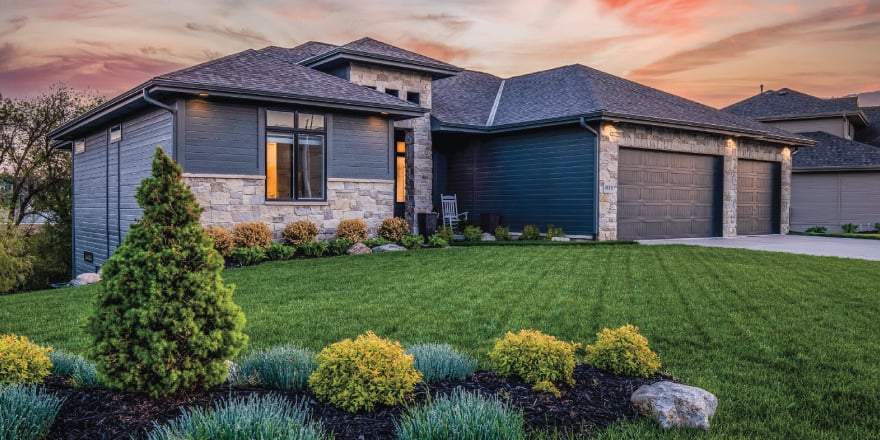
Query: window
[
  {"x": 393, "y": 92},
  {"x": 413, "y": 97},
  {"x": 115, "y": 134},
  {"x": 295, "y": 157},
  {"x": 79, "y": 146},
  {"x": 400, "y": 170}
]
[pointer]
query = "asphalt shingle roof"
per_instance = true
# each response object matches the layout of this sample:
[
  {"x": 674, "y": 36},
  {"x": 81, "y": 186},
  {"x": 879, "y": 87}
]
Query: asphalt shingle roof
[
  {"x": 835, "y": 151},
  {"x": 375, "y": 47},
  {"x": 576, "y": 90},
  {"x": 264, "y": 73},
  {"x": 871, "y": 134},
  {"x": 785, "y": 103},
  {"x": 299, "y": 53}
]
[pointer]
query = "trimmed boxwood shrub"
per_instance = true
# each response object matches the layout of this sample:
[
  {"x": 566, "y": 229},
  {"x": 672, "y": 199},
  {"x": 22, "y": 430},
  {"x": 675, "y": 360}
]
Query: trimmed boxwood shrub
[
  {"x": 623, "y": 351},
  {"x": 22, "y": 361},
  {"x": 223, "y": 241},
  {"x": 250, "y": 234},
  {"x": 530, "y": 232},
  {"x": 394, "y": 229},
  {"x": 537, "y": 358},
  {"x": 353, "y": 229},
  {"x": 163, "y": 320},
  {"x": 299, "y": 232}
]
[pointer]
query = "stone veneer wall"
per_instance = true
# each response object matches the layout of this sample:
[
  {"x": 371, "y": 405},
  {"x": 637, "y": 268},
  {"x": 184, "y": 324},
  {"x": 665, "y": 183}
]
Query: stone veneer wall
[
  {"x": 228, "y": 200},
  {"x": 614, "y": 136},
  {"x": 419, "y": 158}
]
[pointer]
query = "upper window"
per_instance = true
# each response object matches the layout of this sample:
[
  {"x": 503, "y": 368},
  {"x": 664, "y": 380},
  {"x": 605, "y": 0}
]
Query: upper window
[
  {"x": 413, "y": 97},
  {"x": 295, "y": 157},
  {"x": 115, "y": 133},
  {"x": 79, "y": 146},
  {"x": 393, "y": 92}
]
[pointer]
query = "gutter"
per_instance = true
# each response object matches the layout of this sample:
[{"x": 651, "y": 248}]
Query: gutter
[
  {"x": 159, "y": 104},
  {"x": 583, "y": 122}
]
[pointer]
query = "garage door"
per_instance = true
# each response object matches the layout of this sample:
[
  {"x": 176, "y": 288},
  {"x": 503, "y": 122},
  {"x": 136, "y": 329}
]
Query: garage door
[
  {"x": 831, "y": 199},
  {"x": 668, "y": 195},
  {"x": 757, "y": 197}
]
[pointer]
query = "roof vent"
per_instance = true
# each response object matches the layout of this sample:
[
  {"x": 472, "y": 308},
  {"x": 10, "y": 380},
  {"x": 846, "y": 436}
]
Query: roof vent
[{"x": 782, "y": 92}]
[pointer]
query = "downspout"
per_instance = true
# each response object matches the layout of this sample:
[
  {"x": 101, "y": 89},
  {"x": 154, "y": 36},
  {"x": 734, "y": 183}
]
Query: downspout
[
  {"x": 159, "y": 104},
  {"x": 583, "y": 122}
]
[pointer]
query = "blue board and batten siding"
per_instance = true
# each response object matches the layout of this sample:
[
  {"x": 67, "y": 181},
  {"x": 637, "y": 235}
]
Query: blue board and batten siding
[
  {"x": 221, "y": 138},
  {"x": 538, "y": 177},
  {"x": 361, "y": 147},
  {"x": 105, "y": 178}
]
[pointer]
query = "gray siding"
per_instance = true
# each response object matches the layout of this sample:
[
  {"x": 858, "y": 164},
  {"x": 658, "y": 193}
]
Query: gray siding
[
  {"x": 831, "y": 199},
  {"x": 360, "y": 147},
  {"x": 833, "y": 126},
  {"x": 221, "y": 138},
  {"x": 539, "y": 177},
  {"x": 105, "y": 179}
]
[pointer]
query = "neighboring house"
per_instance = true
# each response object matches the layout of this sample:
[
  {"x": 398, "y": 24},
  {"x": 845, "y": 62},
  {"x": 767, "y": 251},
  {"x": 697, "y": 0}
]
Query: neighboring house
[
  {"x": 368, "y": 130},
  {"x": 838, "y": 180}
]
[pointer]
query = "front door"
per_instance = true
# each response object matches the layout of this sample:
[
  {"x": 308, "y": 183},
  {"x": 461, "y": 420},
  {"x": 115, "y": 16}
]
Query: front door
[{"x": 399, "y": 173}]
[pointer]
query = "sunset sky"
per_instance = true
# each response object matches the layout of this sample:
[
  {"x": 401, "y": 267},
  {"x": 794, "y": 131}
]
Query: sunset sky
[{"x": 715, "y": 52}]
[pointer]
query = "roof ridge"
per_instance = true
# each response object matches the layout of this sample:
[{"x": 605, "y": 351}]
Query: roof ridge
[
  {"x": 206, "y": 63},
  {"x": 491, "y": 119}
]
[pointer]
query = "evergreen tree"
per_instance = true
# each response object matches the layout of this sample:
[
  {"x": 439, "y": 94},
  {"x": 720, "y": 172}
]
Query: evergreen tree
[{"x": 164, "y": 321}]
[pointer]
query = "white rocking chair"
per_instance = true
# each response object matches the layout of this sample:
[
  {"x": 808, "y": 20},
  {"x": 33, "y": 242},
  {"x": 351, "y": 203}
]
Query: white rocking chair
[{"x": 451, "y": 216}]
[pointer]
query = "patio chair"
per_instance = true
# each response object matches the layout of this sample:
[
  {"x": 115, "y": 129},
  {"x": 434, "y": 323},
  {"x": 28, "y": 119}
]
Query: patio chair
[{"x": 451, "y": 216}]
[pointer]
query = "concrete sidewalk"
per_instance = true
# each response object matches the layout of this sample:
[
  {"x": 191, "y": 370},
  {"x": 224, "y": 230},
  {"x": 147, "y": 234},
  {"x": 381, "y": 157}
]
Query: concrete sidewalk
[{"x": 795, "y": 244}]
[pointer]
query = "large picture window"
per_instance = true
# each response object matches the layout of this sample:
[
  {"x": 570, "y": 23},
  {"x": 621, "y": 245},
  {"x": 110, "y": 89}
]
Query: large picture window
[{"x": 295, "y": 157}]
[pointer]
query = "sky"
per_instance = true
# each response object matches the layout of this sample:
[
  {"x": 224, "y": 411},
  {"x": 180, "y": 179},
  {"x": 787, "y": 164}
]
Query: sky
[{"x": 714, "y": 52}]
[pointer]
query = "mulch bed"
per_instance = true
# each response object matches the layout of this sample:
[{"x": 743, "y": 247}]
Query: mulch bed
[{"x": 597, "y": 400}]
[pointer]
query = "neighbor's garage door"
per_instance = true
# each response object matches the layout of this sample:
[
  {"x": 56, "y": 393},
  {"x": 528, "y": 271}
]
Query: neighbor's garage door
[
  {"x": 831, "y": 199},
  {"x": 668, "y": 195},
  {"x": 757, "y": 197}
]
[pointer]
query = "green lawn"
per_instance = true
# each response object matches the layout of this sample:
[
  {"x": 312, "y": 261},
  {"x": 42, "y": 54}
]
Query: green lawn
[{"x": 790, "y": 344}]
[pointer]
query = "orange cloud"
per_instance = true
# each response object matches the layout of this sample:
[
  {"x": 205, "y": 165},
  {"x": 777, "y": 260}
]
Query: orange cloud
[
  {"x": 669, "y": 14},
  {"x": 83, "y": 10},
  {"x": 439, "y": 51}
]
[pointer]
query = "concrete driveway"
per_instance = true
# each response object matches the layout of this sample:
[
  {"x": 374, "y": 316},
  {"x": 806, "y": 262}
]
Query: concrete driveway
[{"x": 795, "y": 244}]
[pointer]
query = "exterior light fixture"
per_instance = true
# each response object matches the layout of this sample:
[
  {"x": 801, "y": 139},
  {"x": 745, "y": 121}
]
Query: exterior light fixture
[
  {"x": 203, "y": 95},
  {"x": 383, "y": 113}
]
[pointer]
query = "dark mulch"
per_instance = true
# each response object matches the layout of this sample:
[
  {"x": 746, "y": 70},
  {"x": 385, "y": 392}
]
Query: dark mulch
[{"x": 597, "y": 400}]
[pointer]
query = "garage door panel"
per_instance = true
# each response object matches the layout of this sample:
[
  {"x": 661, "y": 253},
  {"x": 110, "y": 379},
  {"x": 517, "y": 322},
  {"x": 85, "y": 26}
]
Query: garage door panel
[
  {"x": 831, "y": 199},
  {"x": 679, "y": 194},
  {"x": 758, "y": 197}
]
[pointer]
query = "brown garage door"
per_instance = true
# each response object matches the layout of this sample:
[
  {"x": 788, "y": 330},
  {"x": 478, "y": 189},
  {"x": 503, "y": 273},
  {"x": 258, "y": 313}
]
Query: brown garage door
[
  {"x": 668, "y": 195},
  {"x": 757, "y": 197}
]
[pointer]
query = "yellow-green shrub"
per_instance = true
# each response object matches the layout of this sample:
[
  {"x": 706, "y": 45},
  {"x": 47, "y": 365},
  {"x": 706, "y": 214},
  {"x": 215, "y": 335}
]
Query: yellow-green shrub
[
  {"x": 359, "y": 374},
  {"x": 537, "y": 358},
  {"x": 299, "y": 232},
  {"x": 623, "y": 351},
  {"x": 223, "y": 241},
  {"x": 250, "y": 234},
  {"x": 353, "y": 229},
  {"x": 394, "y": 229},
  {"x": 22, "y": 361}
]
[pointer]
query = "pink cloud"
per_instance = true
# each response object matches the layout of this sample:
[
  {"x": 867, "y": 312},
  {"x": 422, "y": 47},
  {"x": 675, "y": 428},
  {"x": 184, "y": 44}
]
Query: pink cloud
[
  {"x": 244, "y": 35},
  {"x": 83, "y": 10},
  {"x": 668, "y": 14},
  {"x": 15, "y": 24}
]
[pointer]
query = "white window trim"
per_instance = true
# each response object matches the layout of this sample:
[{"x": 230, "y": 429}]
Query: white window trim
[
  {"x": 79, "y": 146},
  {"x": 119, "y": 137}
]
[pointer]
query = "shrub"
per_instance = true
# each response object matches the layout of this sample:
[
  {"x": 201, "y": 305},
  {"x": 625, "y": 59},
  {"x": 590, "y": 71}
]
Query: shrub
[
  {"x": 358, "y": 374},
  {"x": 537, "y": 358},
  {"x": 223, "y": 241},
  {"x": 472, "y": 233},
  {"x": 338, "y": 246},
  {"x": 250, "y": 234},
  {"x": 287, "y": 367},
  {"x": 441, "y": 362},
  {"x": 849, "y": 228},
  {"x": 530, "y": 232},
  {"x": 436, "y": 241},
  {"x": 447, "y": 234},
  {"x": 299, "y": 232},
  {"x": 50, "y": 252},
  {"x": 80, "y": 371},
  {"x": 280, "y": 252},
  {"x": 412, "y": 241},
  {"x": 623, "y": 351},
  {"x": 15, "y": 265},
  {"x": 22, "y": 361},
  {"x": 394, "y": 229},
  {"x": 877, "y": 227},
  {"x": 164, "y": 321},
  {"x": 817, "y": 230},
  {"x": 502, "y": 233},
  {"x": 553, "y": 231},
  {"x": 353, "y": 229},
  {"x": 26, "y": 412},
  {"x": 262, "y": 417},
  {"x": 247, "y": 256},
  {"x": 377, "y": 241},
  {"x": 315, "y": 248},
  {"x": 462, "y": 415}
]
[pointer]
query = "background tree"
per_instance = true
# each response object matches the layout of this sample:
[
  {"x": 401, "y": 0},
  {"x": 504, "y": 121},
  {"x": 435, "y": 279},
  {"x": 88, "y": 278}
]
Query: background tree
[{"x": 164, "y": 321}]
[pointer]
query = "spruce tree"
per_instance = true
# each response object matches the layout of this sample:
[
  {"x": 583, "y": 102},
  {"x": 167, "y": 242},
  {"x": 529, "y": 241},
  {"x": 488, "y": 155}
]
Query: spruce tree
[{"x": 164, "y": 320}]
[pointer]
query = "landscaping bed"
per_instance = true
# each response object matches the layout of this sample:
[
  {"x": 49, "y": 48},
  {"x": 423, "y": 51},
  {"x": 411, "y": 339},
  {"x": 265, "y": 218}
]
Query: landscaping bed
[{"x": 596, "y": 400}]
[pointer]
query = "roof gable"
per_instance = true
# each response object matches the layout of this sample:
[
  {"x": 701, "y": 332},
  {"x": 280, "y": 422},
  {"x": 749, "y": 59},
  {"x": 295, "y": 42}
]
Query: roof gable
[
  {"x": 871, "y": 134},
  {"x": 372, "y": 51},
  {"x": 790, "y": 104}
]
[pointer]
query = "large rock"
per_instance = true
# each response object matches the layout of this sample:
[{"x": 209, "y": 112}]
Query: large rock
[
  {"x": 675, "y": 405},
  {"x": 89, "y": 278},
  {"x": 359, "y": 249},
  {"x": 388, "y": 248},
  {"x": 487, "y": 237}
]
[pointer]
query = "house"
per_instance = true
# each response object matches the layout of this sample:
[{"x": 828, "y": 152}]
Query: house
[
  {"x": 369, "y": 130},
  {"x": 838, "y": 180}
]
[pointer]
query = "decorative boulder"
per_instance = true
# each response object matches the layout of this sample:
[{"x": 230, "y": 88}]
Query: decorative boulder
[
  {"x": 675, "y": 405},
  {"x": 487, "y": 237},
  {"x": 89, "y": 278},
  {"x": 388, "y": 248},
  {"x": 560, "y": 239},
  {"x": 359, "y": 249}
]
